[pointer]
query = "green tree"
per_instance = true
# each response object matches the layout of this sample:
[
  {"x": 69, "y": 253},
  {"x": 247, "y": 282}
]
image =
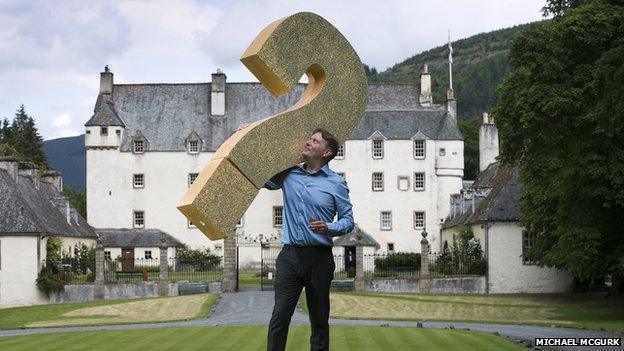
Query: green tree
[
  {"x": 561, "y": 119},
  {"x": 470, "y": 131},
  {"x": 78, "y": 199},
  {"x": 24, "y": 137}
]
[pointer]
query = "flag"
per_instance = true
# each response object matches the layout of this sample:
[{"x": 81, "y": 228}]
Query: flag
[{"x": 450, "y": 49}]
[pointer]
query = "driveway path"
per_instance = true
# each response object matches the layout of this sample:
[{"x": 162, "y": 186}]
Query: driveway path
[{"x": 254, "y": 308}]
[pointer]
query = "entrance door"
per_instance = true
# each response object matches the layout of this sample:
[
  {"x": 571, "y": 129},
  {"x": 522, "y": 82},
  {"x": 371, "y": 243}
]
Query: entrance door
[
  {"x": 350, "y": 261},
  {"x": 127, "y": 259}
]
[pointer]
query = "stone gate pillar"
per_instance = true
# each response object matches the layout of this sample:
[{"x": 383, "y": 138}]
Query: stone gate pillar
[
  {"x": 230, "y": 275},
  {"x": 424, "y": 282},
  {"x": 99, "y": 288},
  {"x": 163, "y": 272},
  {"x": 359, "y": 268}
]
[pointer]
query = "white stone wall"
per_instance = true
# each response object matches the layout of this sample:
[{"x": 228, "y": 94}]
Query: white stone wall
[
  {"x": 18, "y": 272},
  {"x": 507, "y": 273},
  {"x": 111, "y": 197}
]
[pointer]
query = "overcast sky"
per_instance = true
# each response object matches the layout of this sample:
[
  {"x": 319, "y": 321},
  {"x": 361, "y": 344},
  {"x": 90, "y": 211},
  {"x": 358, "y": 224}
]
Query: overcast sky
[{"x": 51, "y": 52}]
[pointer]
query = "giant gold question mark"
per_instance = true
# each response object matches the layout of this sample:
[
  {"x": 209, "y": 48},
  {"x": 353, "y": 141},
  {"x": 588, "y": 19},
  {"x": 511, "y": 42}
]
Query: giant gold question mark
[{"x": 334, "y": 100}]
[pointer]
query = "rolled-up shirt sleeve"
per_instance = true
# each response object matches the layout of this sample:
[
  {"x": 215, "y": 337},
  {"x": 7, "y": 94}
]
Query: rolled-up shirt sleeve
[{"x": 344, "y": 223}]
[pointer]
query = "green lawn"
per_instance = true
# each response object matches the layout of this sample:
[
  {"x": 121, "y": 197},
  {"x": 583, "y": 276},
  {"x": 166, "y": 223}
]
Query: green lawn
[
  {"x": 254, "y": 338},
  {"x": 249, "y": 277},
  {"x": 109, "y": 312},
  {"x": 592, "y": 311}
]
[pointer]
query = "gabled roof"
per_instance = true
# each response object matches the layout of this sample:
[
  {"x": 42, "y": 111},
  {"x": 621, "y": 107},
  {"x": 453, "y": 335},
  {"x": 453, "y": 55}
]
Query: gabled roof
[
  {"x": 105, "y": 113},
  {"x": 357, "y": 237},
  {"x": 167, "y": 113},
  {"x": 135, "y": 237},
  {"x": 26, "y": 209},
  {"x": 501, "y": 204}
]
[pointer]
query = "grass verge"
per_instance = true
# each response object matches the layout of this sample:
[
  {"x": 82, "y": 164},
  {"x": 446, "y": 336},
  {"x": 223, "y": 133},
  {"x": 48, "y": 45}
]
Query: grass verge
[{"x": 254, "y": 338}]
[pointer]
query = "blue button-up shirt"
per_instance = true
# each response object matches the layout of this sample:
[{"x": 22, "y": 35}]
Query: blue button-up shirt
[{"x": 313, "y": 196}]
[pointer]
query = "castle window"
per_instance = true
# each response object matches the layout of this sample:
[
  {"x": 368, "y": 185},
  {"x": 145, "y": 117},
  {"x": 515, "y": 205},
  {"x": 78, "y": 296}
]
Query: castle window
[
  {"x": 385, "y": 220},
  {"x": 442, "y": 151},
  {"x": 138, "y": 181},
  {"x": 139, "y": 219},
  {"x": 378, "y": 148},
  {"x": 277, "y": 216},
  {"x": 419, "y": 219},
  {"x": 419, "y": 181},
  {"x": 191, "y": 178},
  {"x": 104, "y": 131},
  {"x": 403, "y": 183},
  {"x": 193, "y": 146},
  {"x": 419, "y": 149},
  {"x": 148, "y": 255},
  {"x": 527, "y": 242},
  {"x": 340, "y": 152},
  {"x": 390, "y": 247},
  {"x": 378, "y": 181},
  {"x": 138, "y": 146},
  {"x": 107, "y": 255}
]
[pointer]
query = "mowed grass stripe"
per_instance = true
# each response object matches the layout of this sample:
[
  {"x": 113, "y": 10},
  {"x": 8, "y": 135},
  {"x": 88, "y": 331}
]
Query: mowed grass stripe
[{"x": 254, "y": 339}]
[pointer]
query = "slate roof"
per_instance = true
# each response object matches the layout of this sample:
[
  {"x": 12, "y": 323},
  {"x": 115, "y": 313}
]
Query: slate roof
[
  {"x": 167, "y": 113},
  {"x": 105, "y": 113},
  {"x": 27, "y": 210},
  {"x": 501, "y": 204},
  {"x": 135, "y": 237},
  {"x": 357, "y": 237}
]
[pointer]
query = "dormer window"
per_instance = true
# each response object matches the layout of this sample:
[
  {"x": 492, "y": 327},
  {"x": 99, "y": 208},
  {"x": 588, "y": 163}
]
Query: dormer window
[
  {"x": 378, "y": 148},
  {"x": 138, "y": 146},
  {"x": 340, "y": 152},
  {"x": 103, "y": 131},
  {"x": 193, "y": 146}
]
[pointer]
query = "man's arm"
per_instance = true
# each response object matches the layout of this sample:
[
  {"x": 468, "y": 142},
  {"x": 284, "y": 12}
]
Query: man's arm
[{"x": 344, "y": 224}]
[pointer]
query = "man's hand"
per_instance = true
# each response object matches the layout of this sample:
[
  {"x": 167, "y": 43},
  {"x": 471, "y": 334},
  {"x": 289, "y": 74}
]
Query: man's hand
[{"x": 319, "y": 227}]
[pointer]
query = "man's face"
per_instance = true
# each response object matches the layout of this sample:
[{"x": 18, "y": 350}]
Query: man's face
[{"x": 316, "y": 147}]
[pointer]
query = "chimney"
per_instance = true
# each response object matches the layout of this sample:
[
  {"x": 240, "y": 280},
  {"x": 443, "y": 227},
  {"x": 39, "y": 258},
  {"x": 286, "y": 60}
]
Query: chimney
[
  {"x": 488, "y": 142},
  {"x": 217, "y": 94},
  {"x": 451, "y": 105},
  {"x": 106, "y": 82},
  {"x": 62, "y": 204},
  {"x": 9, "y": 164},
  {"x": 55, "y": 178},
  {"x": 425, "y": 98},
  {"x": 28, "y": 169}
]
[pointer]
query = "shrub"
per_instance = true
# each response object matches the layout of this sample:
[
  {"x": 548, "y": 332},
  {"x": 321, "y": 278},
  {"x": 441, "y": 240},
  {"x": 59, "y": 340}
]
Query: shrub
[
  {"x": 198, "y": 259},
  {"x": 399, "y": 260}
]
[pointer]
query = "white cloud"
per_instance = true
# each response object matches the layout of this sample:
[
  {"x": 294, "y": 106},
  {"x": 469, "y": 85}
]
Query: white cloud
[{"x": 61, "y": 121}]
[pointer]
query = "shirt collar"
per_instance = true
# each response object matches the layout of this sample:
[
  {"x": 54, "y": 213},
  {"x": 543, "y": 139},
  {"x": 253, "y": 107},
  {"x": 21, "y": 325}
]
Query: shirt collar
[{"x": 324, "y": 169}]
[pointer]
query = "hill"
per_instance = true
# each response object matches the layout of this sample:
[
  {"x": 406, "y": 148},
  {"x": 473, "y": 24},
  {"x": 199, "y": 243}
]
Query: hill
[
  {"x": 68, "y": 156},
  {"x": 479, "y": 65}
]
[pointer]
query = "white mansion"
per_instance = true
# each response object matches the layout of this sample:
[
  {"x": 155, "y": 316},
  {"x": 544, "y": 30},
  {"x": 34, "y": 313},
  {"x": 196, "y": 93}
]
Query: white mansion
[{"x": 147, "y": 142}]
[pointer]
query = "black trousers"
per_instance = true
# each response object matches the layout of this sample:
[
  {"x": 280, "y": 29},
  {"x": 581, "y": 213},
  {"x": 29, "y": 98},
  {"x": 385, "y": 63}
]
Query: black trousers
[{"x": 297, "y": 267}]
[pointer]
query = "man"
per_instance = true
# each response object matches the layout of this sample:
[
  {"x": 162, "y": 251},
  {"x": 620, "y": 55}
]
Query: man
[{"x": 313, "y": 196}]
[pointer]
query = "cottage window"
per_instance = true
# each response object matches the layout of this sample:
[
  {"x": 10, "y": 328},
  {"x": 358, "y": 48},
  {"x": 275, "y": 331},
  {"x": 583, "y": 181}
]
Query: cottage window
[
  {"x": 139, "y": 219},
  {"x": 277, "y": 216},
  {"x": 527, "y": 241},
  {"x": 191, "y": 178},
  {"x": 104, "y": 131},
  {"x": 419, "y": 149},
  {"x": 378, "y": 148},
  {"x": 107, "y": 255},
  {"x": 419, "y": 219},
  {"x": 419, "y": 181},
  {"x": 340, "y": 152},
  {"x": 138, "y": 181},
  {"x": 148, "y": 254},
  {"x": 378, "y": 181},
  {"x": 193, "y": 146},
  {"x": 138, "y": 147},
  {"x": 403, "y": 183},
  {"x": 385, "y": 220}
]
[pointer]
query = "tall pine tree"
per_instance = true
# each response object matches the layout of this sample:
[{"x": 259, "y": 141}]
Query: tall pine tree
[{"x": 22, "y": 136}]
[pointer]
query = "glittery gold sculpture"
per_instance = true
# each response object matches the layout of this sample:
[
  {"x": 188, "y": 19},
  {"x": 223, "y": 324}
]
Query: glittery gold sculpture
[{"x": 334, "y": 100}]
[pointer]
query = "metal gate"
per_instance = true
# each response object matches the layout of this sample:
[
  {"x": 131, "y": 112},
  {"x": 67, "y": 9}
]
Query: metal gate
[{"x": 268, "y": 256}]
